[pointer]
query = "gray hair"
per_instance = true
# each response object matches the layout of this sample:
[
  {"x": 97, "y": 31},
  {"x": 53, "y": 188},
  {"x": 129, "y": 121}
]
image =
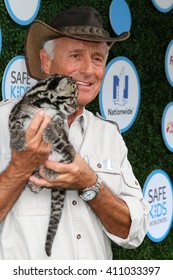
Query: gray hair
[{"x": 49, "y": 47}]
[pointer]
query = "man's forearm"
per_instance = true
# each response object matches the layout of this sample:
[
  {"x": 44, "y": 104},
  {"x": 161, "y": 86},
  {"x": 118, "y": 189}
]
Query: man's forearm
[
  {"x": 112, "y": 212},
  {"x": 23, "y": 163},
  {"x": 12, "y": 183}
]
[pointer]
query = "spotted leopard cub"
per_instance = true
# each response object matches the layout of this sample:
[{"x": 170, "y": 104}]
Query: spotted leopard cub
[{"x": 56, "y": 95}]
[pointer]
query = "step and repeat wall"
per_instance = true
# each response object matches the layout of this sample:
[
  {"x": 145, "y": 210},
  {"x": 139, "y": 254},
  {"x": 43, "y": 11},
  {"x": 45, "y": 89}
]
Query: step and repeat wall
[{"x": 136, "y": 93}]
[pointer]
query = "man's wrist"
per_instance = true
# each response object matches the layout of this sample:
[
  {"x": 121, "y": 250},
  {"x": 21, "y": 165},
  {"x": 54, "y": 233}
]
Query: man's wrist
[{"x": 91, "y": 192}]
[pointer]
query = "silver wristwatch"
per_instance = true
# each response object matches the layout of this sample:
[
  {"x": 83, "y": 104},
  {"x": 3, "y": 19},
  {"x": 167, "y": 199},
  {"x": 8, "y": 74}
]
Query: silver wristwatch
[{"x": 91, "y": 192}]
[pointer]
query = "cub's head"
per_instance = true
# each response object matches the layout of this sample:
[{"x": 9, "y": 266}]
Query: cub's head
[
  {"x": 57, "y": 91},
  {"x": 63, "y": 91}
]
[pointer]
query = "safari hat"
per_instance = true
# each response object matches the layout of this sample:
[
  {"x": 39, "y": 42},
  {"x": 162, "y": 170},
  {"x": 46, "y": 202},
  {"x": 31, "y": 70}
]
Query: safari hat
[{"x": 83, "y": 23}]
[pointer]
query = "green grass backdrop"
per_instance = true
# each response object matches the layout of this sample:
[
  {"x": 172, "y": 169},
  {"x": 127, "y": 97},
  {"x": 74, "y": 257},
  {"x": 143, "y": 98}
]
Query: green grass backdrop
[{"x": 151, "y": 32}]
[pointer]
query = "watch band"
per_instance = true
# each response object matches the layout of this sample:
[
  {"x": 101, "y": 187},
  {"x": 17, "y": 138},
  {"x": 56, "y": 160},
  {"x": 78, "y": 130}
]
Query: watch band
[{"x": 91, "y": 192}]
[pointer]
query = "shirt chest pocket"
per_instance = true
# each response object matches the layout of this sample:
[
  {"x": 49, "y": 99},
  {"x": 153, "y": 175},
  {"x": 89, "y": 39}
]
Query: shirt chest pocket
[
  {"x": 31, "y": 204},
  {"x": 108, "y": 169}
]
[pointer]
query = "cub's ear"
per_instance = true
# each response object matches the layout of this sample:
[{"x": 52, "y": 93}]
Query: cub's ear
[{"x": 62, "y": 84}]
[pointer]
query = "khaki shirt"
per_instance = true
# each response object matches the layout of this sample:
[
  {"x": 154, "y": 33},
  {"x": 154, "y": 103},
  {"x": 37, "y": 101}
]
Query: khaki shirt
[{"x": 80, "y": 234}]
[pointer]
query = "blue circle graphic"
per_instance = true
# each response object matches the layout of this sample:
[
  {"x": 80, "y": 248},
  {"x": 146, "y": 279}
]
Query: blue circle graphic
[
  {"x": 120, "y": 16},
  {"x": 161, "y": 9},
  {"x": 170, "y": 80},
  {"x": 18, "y": 20},
  {"x": 170, "y": 148},
  {"x": 19, "y": 57},
  {"x": 152, "y": 174},
  {"x": 108, "y": 68}
]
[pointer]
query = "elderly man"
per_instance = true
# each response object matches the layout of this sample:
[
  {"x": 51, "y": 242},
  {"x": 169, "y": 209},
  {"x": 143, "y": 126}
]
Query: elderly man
[{"x": 103, "y": 200}]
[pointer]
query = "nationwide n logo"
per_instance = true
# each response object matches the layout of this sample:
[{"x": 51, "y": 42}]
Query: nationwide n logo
[
  {"x": 120, "y": 88},
  {"x": 120, "y": 93}
]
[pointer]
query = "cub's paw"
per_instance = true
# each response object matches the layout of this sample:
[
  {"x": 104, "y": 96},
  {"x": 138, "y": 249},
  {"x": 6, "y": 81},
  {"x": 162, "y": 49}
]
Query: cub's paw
[
  {"x": 52, "y": 131},
  {"x": 49, "y": 134},
  {"x": 33, "y": 187},
  {"x": 50, "y": 174},
  {"x": 18, "y": 141}
]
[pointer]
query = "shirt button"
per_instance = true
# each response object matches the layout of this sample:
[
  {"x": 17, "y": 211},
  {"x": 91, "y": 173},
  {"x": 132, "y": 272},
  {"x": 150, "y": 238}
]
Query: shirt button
[
  {"x": 136, "y": 182},
  {"x": 78, "y": 236},
  {"x": 99, "y": 165},
  {"x": 74, "y": 202}
]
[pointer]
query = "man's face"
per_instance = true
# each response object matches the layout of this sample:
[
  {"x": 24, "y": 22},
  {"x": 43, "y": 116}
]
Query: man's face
[{"x": 83, "y": 61}]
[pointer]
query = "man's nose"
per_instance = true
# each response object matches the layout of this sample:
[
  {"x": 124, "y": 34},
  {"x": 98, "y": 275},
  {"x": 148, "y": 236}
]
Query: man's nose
[{"x": 86, "y": 66}]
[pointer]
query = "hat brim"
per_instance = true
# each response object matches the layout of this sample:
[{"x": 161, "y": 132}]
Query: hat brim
[{"x": 39, "y": 32}]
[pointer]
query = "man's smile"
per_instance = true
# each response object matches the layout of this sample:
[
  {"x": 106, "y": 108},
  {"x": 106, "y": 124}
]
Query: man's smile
[{"x": 83, "y": 83}]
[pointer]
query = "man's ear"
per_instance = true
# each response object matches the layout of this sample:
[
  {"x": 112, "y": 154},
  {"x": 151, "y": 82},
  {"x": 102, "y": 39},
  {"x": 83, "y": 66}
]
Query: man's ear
[{"x": 45, "y": 62}]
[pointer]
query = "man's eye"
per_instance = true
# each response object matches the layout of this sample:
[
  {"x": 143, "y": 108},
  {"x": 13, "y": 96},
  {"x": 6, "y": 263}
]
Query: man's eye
[
  {"x": 98, "y": 59},
  {"x": 74, "y": 55}
]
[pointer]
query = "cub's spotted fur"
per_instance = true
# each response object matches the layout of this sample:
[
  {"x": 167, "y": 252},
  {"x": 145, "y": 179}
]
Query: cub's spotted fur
[{"x": 57, "y": 96}]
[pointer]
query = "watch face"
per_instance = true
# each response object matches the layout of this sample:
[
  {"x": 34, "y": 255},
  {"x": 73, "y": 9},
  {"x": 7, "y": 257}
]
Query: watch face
[{"x": 89, "y": 195}]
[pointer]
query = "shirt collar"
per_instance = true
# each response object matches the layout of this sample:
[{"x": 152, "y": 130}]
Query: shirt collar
[{"x": 82, "y": 120}]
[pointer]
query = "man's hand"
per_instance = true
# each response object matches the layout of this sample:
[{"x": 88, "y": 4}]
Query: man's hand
[
  {"x": 76, "y": 175},
  {"x": 23, "y": 163},
  {"x": 111, "y": 210},
  {"x": 37, "y": 151}
]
